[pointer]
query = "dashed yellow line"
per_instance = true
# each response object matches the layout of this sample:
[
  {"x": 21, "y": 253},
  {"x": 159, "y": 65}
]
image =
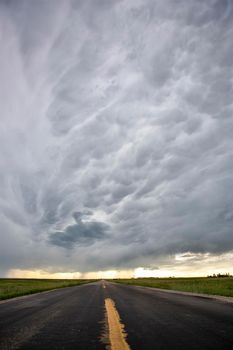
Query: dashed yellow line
[{"x": 117, "y": 334}]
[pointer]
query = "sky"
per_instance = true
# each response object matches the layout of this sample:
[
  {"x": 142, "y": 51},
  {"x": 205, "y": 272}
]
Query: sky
[{"x": 116, "y": 125}]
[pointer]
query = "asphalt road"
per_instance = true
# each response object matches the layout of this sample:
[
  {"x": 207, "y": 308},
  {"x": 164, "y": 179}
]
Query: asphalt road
[{"x": 73, "y": 318}]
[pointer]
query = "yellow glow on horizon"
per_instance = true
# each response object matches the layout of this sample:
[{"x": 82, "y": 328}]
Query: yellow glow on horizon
[
  {"x": 17, "y": 273},
  {"x": 143, "y": 272},
  {"x": 109, "y": 274}
]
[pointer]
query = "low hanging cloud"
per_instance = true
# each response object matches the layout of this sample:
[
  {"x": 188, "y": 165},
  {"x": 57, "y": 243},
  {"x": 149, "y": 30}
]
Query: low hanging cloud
[
  {"x": 81, "y": 233},
  {"x": 120, "y": 114}
]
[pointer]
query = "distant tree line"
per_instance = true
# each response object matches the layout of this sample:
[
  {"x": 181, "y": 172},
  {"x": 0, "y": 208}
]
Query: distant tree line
[{"x": 220, "y": 275}]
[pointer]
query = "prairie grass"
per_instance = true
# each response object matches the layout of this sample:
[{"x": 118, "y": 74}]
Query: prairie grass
[
  {"x": 10, "y": 288},
  {"x": 205, "y": 285}
]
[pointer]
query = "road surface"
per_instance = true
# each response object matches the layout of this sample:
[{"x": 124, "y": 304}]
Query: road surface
[{"x": 77, "y": 318}]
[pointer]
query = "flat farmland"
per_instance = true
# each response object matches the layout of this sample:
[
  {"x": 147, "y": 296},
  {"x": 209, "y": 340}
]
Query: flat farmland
[
  {"x": 10, "y": 288},
  {"x": 214, "y": 286}
]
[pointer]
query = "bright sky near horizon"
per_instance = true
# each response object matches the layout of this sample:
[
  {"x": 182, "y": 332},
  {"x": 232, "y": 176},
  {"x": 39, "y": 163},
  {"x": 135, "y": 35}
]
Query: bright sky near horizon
[{"x": 116, "y": 138}]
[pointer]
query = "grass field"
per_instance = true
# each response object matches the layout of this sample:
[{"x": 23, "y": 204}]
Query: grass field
[
  {"x": 214, "y": 286},
  {"x": 10, "y": 288}
]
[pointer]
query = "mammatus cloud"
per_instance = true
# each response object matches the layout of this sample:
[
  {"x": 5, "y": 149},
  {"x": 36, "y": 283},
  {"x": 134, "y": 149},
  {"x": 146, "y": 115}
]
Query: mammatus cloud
[{"x": 121, "y": 111}]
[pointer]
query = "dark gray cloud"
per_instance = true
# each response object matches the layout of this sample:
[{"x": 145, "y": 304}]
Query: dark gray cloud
[
  {"x": 81, "y": 233},
  {"x": 120, "y": 112}
]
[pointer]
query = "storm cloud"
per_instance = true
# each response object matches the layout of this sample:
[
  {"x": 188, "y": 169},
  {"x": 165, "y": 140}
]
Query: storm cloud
[
  {"x": 82, "y": 233},
  {"x": 116, "y": 132}
]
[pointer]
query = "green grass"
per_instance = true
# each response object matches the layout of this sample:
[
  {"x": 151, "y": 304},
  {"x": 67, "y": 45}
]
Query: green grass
[
  {"x": 10, "y": 288},
  {"x": 214, "y": 286}
]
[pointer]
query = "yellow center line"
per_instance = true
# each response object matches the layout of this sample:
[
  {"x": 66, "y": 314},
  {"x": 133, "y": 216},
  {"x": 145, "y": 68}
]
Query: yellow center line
[{"x": 117, "y": 334}]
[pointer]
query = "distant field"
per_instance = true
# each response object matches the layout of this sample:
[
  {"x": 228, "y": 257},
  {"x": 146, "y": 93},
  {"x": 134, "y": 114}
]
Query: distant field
[
  {"x": 10, "y": 288},
  {"x": 214, "y": 286}
]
